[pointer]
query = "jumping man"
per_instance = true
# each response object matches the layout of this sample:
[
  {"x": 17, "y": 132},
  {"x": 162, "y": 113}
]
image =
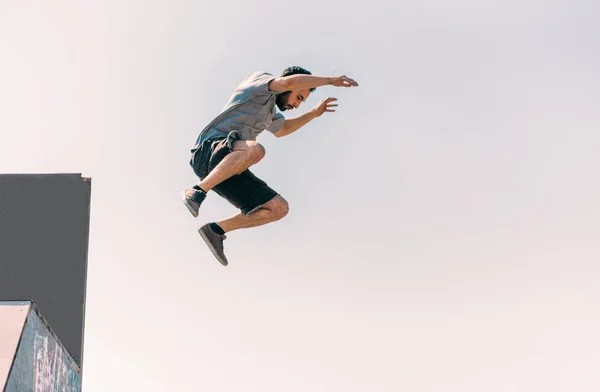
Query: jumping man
[{"x": 227, "y": 147}]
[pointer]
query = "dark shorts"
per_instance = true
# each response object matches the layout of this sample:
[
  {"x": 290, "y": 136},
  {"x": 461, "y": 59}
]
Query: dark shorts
[{"x": 245, "y": 191}]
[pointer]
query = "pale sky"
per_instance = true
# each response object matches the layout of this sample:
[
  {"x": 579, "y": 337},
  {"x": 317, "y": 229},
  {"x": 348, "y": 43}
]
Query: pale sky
[{"x": 444, "y": 225}]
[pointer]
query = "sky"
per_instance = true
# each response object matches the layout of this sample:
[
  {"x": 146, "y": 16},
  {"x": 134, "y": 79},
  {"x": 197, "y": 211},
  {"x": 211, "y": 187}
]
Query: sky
[{"x": 444, "y": 221}]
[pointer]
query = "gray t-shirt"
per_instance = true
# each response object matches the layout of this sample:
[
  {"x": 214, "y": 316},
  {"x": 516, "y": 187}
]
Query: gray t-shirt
[{"x": 250, "y": 110}]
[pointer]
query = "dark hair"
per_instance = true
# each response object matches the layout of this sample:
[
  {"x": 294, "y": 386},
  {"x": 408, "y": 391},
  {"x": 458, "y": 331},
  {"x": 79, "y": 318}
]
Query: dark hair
[{"x": 295, "y": 70}]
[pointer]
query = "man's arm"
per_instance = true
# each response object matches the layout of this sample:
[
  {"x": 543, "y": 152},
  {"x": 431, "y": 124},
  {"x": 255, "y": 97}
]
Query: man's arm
[
  {"x": 306, "y": 82},
  {"x": 293, "y": 124}
]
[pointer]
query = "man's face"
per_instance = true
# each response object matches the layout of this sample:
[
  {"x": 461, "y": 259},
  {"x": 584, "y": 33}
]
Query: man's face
[{"x": 291, "y": 99}]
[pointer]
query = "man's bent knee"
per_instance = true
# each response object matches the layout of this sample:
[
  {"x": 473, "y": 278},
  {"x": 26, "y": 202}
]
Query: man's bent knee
[
  {"x": 256, "y": 152},
  {"x": 280, "y": 208},
  {"x": 253, "y": 150}
]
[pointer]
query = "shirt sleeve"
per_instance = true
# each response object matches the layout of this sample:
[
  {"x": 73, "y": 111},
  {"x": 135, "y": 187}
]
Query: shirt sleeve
[
  {"x": 277, "y": 124},
  {"x": 258, "y": 84},
  {"x": 254, "y": 88}
]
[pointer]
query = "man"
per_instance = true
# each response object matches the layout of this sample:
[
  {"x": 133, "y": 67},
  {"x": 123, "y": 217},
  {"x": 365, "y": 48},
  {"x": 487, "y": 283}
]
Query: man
[{"x": 227, "y": 147}]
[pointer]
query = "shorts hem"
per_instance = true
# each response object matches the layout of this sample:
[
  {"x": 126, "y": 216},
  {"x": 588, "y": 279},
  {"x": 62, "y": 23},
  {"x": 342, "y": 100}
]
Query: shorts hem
[{"x": 259, "y": 206}]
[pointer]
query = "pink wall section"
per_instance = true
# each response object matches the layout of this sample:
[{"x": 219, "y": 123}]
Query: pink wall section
[{"x": 12, "y": 319}]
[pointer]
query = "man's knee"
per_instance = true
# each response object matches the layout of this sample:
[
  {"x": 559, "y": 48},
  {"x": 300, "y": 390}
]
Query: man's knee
[
  {"x": 253, "y": 151},
  {"x": 256, "y": 152},
  {"x": 279, "y": 207}
]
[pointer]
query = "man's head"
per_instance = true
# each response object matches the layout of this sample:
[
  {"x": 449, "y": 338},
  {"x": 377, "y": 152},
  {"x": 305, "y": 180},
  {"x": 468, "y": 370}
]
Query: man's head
[{"x": 292, "y": 99}]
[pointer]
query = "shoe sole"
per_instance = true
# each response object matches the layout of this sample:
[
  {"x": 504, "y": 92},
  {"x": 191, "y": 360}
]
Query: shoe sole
[
  {"x": 189, "y": 207},
  {"x": 211, "y": 247}
]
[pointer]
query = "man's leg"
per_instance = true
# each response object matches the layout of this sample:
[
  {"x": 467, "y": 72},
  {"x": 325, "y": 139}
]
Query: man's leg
[
  {"x": 245, "y": 154},
  {"x": 259, "y": 204},
  {"x": 273, "y": 211},
  {"x": 214, "y": 233}
]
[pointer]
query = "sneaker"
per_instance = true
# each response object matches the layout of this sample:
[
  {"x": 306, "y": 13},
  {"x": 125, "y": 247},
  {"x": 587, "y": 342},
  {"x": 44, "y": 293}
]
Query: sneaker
[
  {"x": 214, "y": 242},
  {"x": 192, "y": 198}
]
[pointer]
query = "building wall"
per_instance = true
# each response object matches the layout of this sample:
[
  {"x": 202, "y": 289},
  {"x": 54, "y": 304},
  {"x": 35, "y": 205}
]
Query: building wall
[
  {"x": 12, "y": 321},
  {"x": 42, "y": 364},
  {"x": 44, "y": 222}
]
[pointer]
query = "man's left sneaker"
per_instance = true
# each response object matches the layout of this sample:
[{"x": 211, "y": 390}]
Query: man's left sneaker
[
  {"x": 214, "y": 242},
  {"x": 192, "y": 198}
]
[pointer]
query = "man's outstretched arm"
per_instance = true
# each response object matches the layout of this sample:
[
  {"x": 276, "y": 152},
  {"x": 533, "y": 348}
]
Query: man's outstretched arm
[
  {"x": 306, "y": 82},
  {"x": 293, "y": 124}
]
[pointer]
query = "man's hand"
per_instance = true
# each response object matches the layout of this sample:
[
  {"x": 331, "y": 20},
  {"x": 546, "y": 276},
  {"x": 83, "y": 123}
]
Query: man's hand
[
  {"x": 343, "y": 81},
  {"x": 326, "y": 105},
  {"x": 292, "y": 125}
]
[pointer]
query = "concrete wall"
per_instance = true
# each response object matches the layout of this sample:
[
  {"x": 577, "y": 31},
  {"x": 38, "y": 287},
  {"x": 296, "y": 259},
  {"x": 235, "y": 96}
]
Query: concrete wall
[
  {"x": 44, "y": 221},
  {"x": 42, "y": 364},
  {"x": 12, "y": 321}
]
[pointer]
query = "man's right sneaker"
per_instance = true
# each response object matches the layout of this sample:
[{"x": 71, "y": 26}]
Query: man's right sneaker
[
  {"x": 214, "y": 242},
  {"x": 192, "y": 198}
]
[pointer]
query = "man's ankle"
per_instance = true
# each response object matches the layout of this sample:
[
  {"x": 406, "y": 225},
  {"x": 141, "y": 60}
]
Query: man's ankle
[
  {"x": 216, "y": 228},
  {"x": 198, "y": 188}
]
